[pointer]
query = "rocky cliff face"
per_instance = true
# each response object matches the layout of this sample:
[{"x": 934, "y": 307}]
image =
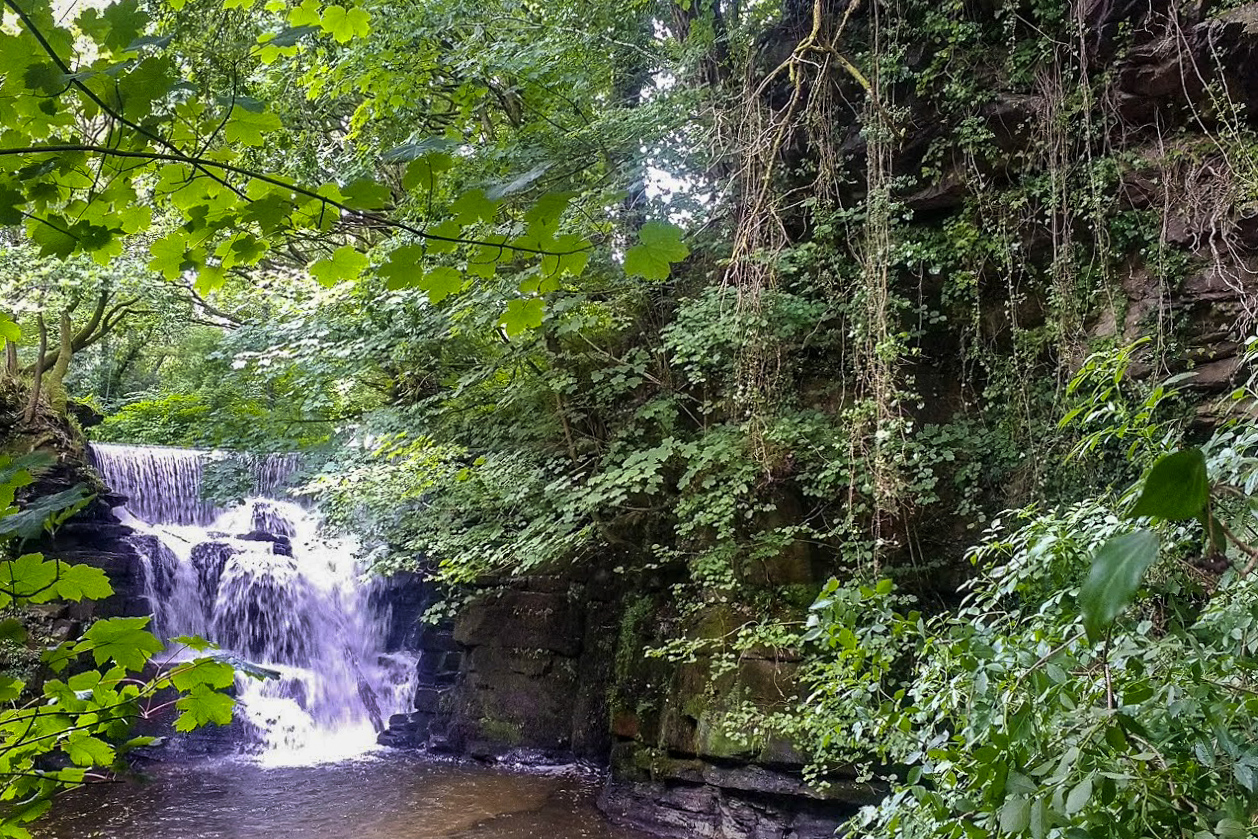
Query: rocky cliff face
[{"x": 551, "y": 670}]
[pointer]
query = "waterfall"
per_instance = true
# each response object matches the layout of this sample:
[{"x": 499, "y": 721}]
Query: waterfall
[
  {"x": 164, "y": 484},
  {"x": 263, "y": 581}
]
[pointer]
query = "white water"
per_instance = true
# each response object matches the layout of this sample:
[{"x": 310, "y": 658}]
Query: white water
[{"x": 262, "y": 581}]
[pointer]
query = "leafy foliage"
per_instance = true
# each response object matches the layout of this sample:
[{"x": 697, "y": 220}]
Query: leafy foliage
[
  {"x": 430, "y": 233},
  {"x": 116, "y": 106},
  {"x": 1009, "y": 715}
]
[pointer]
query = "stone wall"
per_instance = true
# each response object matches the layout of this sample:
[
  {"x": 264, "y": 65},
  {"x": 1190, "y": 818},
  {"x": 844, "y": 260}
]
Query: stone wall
[{"x": 522, "y": 674}]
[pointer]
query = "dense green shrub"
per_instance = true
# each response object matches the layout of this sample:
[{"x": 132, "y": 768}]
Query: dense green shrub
[{"x": 1003, "y": 716}]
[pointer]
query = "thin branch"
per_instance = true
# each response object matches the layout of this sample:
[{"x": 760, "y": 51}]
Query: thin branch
[
  {"x": 372, "y": 217},
  {"x": 212, "y": 311},
  {"x": 32, "y": 407},
  {"x": 75, "y": 82}
]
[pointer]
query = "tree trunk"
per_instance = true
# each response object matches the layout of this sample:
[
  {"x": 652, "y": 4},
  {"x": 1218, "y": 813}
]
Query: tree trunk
[
  {"x": 10, "y": 358},
  {"x": 56, "y": 377},
  {"x": 32, "y": 407}
]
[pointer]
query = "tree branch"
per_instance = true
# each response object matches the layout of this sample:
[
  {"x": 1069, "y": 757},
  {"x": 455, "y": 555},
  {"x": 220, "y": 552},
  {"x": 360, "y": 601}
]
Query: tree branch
[
  {"x": 212, "y": 311},
  {"x": 367, "y": 216},
  {"x": 32, "y": 407}
]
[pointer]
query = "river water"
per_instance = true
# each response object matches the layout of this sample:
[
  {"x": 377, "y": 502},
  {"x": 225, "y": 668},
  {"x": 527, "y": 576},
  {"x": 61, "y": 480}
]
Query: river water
[{"x": 390, "y": 796}]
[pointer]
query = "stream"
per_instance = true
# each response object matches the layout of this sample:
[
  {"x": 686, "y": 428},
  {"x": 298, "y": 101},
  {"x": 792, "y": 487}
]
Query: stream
[{"x": 389, "y": 796}]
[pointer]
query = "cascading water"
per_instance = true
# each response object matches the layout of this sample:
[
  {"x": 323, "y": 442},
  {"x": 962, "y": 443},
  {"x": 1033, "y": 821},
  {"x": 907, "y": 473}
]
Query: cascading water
[{"x": 261, "y": 581}]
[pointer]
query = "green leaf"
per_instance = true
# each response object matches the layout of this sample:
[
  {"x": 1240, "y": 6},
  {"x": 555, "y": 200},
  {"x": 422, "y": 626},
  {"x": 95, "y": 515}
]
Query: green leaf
[
  {"x": 201, "y": 706},
  {"x": 307, "y": 14},
  {"x": 86, "y": 680},
  {"x": 54, "y": 237},
  {"x": 248, "y": 127},
  {"x": 151, "y": 79},
  {"x": 474, "y": 206},
  {"x": 485, "y": 258},
  {"x": 85, "y": 750},
  {"x": 168, "y": 256},
  {"x": 210, "y": 278},
  {"x": 193, "y": 642},
  {"x": 1118, "y": 568},
  {"x": 549, "y": 208},
  {"x": 522, "y": 315},
  {"x": 1039, "y": 819},
  {"x": 1078, "y": 797},
  {"x": 440, "y": 283},
  {"x": 346, "y": 263},
  {"x": 44, "y": 513},
  {"x": 440, "y": 237},
  {"x": 83, "y": 581},
  {"x": 402, "y": 268},
  {"x": 203, "y": 671},
  {"x": 9, "y": 330},
  {"x": 10, "y": 688},
  {"x": 572, "y": 254},
  {"x": 122, "y": 640},
  {"x": 659, "y": 245},
  {"x": 28, "y": 576},
  {"x": 126, "y": 23},
  {"x": 12, "y": 630},
  {"x": 366, "y": 194},
  {"x": 1231, "y": 829},
  {"x": 1015, "y": 815},
  {"x": 1176, "y": 488},
  {"x": 422, "y": 172},
  {"x": 270, "y": 211},
  {"x": 11, "y": 201},
  {"x": 345, "y": 24}
]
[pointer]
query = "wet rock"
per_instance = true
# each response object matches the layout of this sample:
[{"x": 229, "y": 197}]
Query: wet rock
[
  {"x": 260, "y": 609},
  {"x": 209, "y": 559},
  {"x": 400, "y": 600},
  {"x": 280, "y": 545},
  {"x": 948, "y": 192},
  {"x": 684, "y": 810},
  {"x": 162, "y": 567},
  {"x": 84, "y": 414},
  {"x": 430, "y": 699},
  {"x": 267, "y": 518},
  {"x": 1231, "y": 42},
  {"x": 536, "y": 620}
]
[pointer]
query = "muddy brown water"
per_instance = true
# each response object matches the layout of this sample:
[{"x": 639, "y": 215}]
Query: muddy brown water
[{"x": 393, "y": 797}]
